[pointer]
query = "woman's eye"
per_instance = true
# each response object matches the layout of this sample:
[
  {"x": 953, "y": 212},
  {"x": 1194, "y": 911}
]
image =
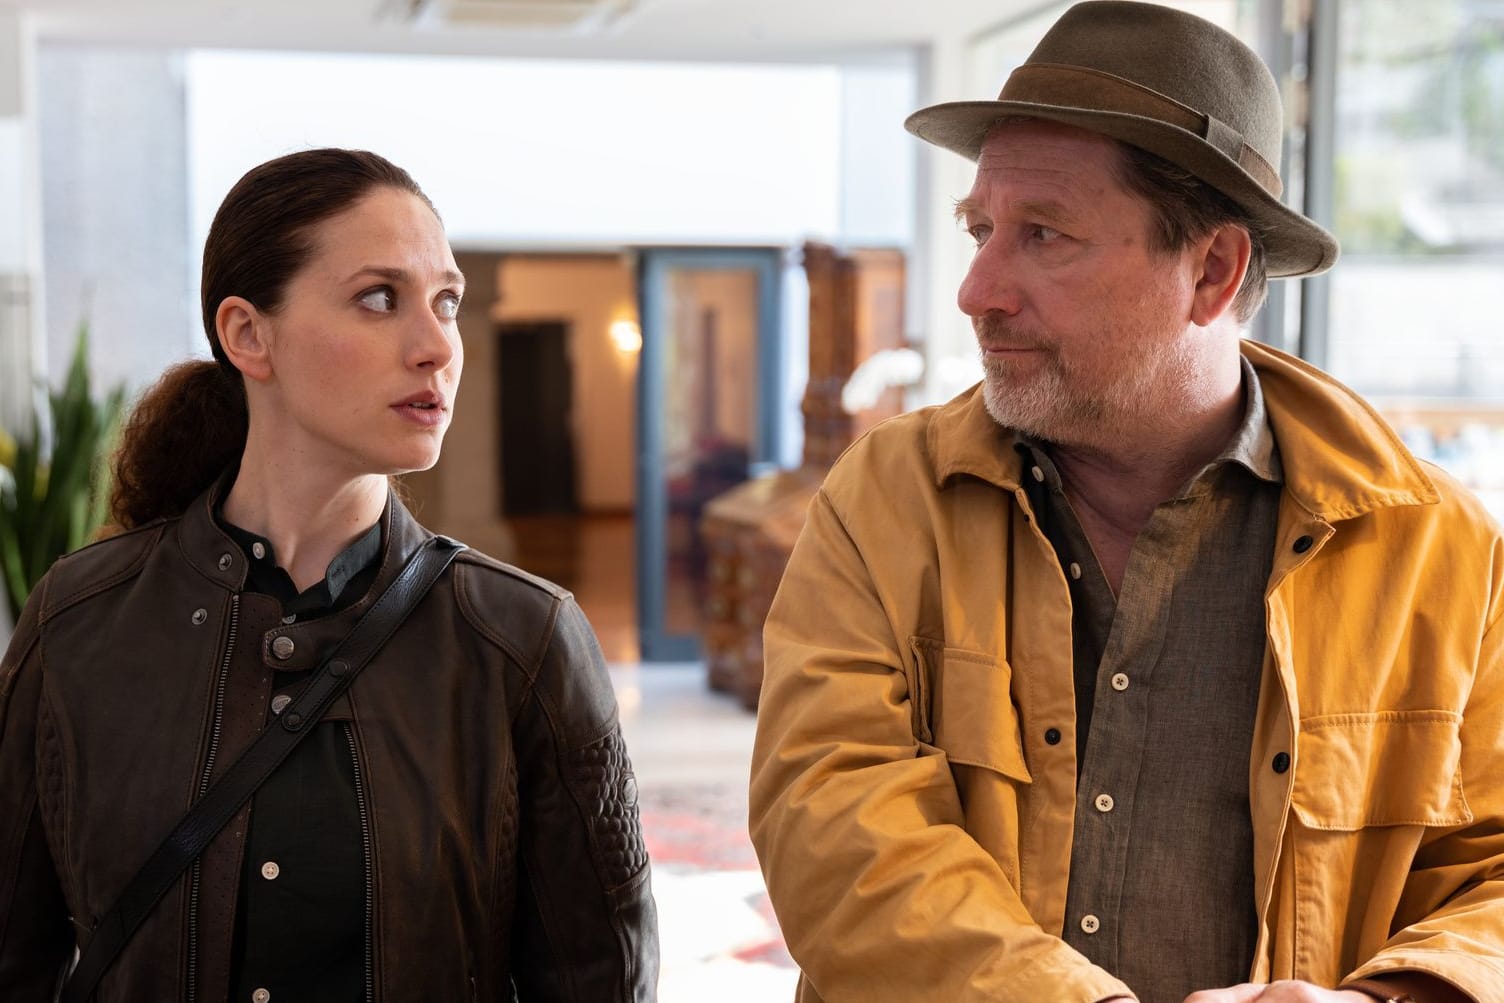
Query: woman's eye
[
  {"x": 448, "y": 306},
  {"x": 979, "y": 233},
  {"x": 380, "y": 299},
  {"x": 1045, "y": 234}
]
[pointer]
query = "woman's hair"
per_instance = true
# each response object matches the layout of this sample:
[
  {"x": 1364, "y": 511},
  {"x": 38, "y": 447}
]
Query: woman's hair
[{"x": 191, "y": 425}]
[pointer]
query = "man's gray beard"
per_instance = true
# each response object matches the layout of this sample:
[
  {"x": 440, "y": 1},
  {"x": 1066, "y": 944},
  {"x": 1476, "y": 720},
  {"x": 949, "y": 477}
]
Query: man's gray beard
[
  {"x": 1042, "y": 408},
  {"x": 1051, "y": 409}
]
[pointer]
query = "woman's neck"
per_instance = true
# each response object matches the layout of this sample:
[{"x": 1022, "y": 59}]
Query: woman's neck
[{"x": 309, "y": 515}]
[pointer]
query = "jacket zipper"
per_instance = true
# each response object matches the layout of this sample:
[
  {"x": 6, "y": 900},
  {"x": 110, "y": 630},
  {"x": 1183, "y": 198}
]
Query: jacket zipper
[
  {"x": 203, "y": 788},
  {"x": 370, "y": 871}
]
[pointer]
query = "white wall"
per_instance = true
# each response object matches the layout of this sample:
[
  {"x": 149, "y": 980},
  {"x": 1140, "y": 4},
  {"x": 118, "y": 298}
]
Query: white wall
[{"x": 542, "y": 154}]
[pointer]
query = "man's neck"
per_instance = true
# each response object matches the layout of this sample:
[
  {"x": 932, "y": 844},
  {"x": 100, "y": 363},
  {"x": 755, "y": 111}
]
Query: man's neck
[
  {"x": 308, "y": 515},
  {"x": 1114, "y": 491}
]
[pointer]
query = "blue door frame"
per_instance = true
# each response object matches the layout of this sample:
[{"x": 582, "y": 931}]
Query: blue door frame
[{"x": 654, "y": 266}]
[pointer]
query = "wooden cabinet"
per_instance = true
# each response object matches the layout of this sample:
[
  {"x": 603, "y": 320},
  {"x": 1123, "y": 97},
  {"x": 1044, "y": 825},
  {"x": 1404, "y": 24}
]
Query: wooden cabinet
[{"x": 855, "y": 309}]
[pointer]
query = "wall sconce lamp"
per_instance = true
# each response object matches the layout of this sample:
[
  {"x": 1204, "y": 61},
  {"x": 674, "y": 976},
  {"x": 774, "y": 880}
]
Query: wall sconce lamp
[{"x": 627, "y": 336}]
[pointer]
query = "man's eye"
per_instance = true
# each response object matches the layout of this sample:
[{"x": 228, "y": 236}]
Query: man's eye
[
  {"x": 1045, "y": 234},
  {"x": 380, "y": 299},
  {"x": 979, "y": 233},
  {"x": 448, "y": 306}
]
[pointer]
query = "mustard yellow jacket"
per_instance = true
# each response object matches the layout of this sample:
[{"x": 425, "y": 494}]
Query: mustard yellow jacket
[{"x": 914, "y": 825}]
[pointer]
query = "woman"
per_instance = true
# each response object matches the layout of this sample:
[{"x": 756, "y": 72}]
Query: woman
[{"x": 462, "y": 823}]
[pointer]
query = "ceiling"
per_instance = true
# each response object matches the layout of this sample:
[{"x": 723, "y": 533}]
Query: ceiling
[{"x": 740, "y": 30}]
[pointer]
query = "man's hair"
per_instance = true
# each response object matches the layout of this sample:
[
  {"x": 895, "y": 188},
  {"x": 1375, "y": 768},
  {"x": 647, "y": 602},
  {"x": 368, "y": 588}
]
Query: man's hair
[{"x": 1186, "y": 209}]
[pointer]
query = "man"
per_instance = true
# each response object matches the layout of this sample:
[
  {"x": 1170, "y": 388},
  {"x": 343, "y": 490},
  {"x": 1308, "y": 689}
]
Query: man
[{"x": 1154, "y": 667}]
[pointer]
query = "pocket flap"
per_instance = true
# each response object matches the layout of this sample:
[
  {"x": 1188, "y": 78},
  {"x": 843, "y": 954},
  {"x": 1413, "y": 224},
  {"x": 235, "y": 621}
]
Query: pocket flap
[
  {"x": 971, "y": 710},
  {"x": 1392, "y": 768}
]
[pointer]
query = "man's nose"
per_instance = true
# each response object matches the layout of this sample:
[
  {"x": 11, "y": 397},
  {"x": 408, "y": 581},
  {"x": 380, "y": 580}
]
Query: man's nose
[{"x": 989, "y": 284}]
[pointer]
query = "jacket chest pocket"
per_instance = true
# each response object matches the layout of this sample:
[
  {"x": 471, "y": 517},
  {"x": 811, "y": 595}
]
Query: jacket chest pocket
[
  {"x": 1356, "y": 771},
  {"x": 964, "y": 706}
]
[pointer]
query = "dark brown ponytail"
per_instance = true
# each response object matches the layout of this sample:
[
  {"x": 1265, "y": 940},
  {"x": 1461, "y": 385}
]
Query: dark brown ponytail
[
  {"x": 191, "y": 425},
  {"x": 185, "y": 431}
]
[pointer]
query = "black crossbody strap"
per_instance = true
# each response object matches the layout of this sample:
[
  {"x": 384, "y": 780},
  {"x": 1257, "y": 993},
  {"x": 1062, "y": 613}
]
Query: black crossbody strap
[{"x": 236, "y": 785}]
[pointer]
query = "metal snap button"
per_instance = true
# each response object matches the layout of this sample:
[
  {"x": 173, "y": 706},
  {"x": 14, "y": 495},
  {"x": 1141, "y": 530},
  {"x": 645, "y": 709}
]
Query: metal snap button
[
  {"x": 339, "y": 668},
  {"x": 283, "y": 647},
  {"x": 199, "y": 616},
  {"x": 225, "y": 561},
  {"x": 280, "y": 702},
  {"x": 289, "y": 618},
  {"x": 258, "y": 549}
]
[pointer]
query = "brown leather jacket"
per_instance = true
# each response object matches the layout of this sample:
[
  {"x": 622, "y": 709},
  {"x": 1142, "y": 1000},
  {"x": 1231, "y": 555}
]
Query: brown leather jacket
[{"x": 499, "y": 807}]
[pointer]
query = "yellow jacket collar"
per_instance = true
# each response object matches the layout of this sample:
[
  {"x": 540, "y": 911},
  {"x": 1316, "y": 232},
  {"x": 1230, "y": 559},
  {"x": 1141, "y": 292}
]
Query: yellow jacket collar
[{"x": 1340, "y": 458}]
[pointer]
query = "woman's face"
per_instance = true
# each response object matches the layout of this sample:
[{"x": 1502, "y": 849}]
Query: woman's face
[{"x": 365, "y": 351}]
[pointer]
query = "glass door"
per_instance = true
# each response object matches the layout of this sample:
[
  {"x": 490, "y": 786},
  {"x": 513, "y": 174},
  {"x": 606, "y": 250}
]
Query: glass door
[{"x": 707, "y": 416}]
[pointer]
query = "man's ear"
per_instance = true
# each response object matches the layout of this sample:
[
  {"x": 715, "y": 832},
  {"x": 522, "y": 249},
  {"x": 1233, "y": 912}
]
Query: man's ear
[
  {"x": 1222, "y": 263},
  {"x": 243, "y": 335}
]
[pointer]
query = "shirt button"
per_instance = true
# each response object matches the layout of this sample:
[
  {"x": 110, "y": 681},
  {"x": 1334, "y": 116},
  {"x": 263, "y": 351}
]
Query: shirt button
[
  {"x": 261, "y": 996},
  {"x": 1090, "y": 924},
  {"x": 270, "y": 870},
  {"x": 1075, "y": 571},
  {"x": 1052, "y": 736},
  {"x": 1120, "y": 681},
  {"x": 289, "y": 618},
  {"x": 258, "y": 549},
  {"x": 1281, "y": 762},
  {"x": 1104, "y": 803},
  {"x": 1038, "y": 474},
  {"x": 280, "y": 702},
  {"x": 283, "y": 647}
]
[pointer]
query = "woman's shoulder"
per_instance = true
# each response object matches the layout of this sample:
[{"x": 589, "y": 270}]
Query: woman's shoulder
[
  {"x": 92, "y": 570},
  {"x": 505, "y": 602}
]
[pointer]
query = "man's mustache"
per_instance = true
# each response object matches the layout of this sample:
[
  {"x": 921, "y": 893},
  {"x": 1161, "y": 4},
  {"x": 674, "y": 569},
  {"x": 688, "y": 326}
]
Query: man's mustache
[{"x": 996, "y": 332}]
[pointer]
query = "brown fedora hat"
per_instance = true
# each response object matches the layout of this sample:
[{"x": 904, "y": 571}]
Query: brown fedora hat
[{"x": 1167, "y": 82}]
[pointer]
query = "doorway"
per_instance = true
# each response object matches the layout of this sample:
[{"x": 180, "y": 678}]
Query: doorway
[{"x": 536, "y": 431}]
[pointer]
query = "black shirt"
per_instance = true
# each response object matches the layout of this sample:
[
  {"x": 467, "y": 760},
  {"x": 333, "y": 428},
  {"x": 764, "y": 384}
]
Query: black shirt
[{"x": 301, "y": 916}]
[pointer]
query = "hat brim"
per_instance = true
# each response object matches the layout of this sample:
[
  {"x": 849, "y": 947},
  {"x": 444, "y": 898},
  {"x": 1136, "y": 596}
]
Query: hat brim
[{"x": 1294, "y": 246}]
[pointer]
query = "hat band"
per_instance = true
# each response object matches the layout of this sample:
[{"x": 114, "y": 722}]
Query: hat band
[{"x": 1085, "y": 89}]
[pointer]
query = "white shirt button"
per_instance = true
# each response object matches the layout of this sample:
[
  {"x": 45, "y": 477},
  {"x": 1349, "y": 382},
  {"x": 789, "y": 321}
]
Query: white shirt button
[
  {"x": 259, "y": 549},
  {"x": 1075, "y": 571},
  {"x": 280, "y": 702},
  {"x": 261, "y": 996},
  {"x": 270, "y": 870},
  {"x": 1104, "y": 803},
  {"x": 1090, "y": 924},
  {"x": 1120, "y": 681},
  {"x": 1038, "y": 474}
]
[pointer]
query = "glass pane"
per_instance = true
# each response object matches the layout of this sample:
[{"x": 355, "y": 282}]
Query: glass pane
[
  {"x": 710, "y": 417},
  {"x": 1420, "y": 213}
]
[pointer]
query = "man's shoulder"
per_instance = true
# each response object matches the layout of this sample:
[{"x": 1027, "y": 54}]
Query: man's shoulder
[{"x": 922, "y": 451}]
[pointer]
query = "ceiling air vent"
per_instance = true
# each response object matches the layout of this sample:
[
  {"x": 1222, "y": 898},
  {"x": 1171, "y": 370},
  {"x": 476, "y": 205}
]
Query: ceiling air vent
[{"x": 575, "y": 16}]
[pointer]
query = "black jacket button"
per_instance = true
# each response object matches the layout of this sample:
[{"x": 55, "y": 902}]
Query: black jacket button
[
  {"x": 1281, "y": 762},
  {"x": 1052, "y": 736},
  {"x": 1303, "y": 544}
]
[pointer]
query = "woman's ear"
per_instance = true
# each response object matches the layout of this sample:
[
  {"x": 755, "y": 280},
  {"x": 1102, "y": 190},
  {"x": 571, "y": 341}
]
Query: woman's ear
[{"x": 243, "y": 335}]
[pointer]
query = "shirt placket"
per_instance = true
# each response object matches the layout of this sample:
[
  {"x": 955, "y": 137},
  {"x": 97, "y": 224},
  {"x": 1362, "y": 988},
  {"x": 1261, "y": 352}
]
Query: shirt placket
[{"x": 1115, "y": 748}]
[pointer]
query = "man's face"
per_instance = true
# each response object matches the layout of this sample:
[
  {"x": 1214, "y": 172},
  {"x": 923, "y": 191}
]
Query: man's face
[{"x": 1084, "y": 328}]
